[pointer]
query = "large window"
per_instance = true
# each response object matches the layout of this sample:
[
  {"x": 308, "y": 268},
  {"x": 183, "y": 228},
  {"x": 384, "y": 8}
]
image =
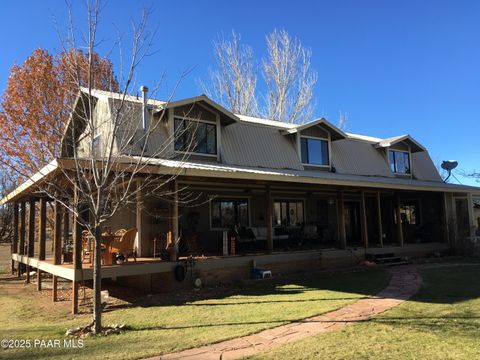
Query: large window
[
  {"x": 195, "y": 136},
  {"x": 399, "y": 162},
  {"x": 314, "y": 151},
  {"x": 229, "y": 212},
  {"x": 288, "y": 213}
]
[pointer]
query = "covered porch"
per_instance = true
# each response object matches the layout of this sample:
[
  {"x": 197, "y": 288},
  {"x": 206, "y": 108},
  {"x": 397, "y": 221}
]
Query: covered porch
[{"x": 231, "y": 223}]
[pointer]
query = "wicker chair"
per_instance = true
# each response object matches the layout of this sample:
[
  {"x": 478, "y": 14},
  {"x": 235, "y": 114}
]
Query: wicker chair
[
  {"x": 87, "y": 246},
  {"x": 126, "y": 245}
]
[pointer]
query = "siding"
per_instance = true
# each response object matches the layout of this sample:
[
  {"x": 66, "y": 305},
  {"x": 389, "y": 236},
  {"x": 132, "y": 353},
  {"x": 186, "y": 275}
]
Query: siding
[
  {"x": 258, "y": 146},
  {"x": 359, "y": 158}
]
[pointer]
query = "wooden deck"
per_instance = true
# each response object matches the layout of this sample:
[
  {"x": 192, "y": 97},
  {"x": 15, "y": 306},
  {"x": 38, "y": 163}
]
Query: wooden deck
[{"x": 148, "y": 265}]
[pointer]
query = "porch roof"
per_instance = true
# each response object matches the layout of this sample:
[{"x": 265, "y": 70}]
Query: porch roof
[{"x": 213, "y": 170}]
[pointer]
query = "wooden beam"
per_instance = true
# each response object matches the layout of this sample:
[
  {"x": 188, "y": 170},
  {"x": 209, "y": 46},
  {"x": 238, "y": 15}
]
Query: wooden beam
[
  {"x": 31, "y": 233},
  {"x": 174, "y": 220},
  {"x": 77, "y": 256},
  {"x": 379, "y": 219},
  {"x": 269, "y": 218},
  {"x": 21, "y": 244},
  {"x": 42, "y": 238},
  {"x": 54, "y": 288},
  {"x": 445, "y": 224},
  {"x": 15, "y": 235},
  {"x": 399, "y": 220},
  {"x": 363, "y": 220},
  {"x": 342, "y": 235},
  {"x": 138, "y": 220},
  {"x": 57, "y": 233},
  {"x": 42, "y": 229}
]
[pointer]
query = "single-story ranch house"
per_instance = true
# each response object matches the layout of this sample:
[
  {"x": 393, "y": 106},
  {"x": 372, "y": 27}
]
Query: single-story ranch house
[{"x": 299, "y": 197}]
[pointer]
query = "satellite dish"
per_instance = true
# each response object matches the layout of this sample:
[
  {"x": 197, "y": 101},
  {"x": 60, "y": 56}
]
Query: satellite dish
[{"x": 449, "y": 165}]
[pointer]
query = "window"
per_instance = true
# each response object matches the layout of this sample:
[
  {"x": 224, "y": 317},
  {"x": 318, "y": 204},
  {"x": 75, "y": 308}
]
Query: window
[
  {"x": 314, "y": 151},
  {"x": 288, "y": 213},
  {"x": 97, "y": 145},
  {"x": 409, "y": 213},
  {"x": 399, "y": 162},
  {"x": 195, "y": 136},
  {"x": 229, "y": 212}
]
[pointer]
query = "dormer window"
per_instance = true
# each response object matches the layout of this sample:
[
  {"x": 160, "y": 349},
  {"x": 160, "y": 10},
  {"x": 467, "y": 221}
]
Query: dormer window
[
  {"x": 195, "y": 136},
  {"x": 399, "y": 162},
  {"x": 315, "y": 151}
]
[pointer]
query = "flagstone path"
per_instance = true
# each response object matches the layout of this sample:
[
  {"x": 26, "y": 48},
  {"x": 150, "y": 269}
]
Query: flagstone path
[{"x": 404, "y": 283}]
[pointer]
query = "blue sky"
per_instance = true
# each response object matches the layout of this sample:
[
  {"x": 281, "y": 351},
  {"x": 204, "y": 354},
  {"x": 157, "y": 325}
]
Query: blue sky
[{"x": 394, "y": 66}]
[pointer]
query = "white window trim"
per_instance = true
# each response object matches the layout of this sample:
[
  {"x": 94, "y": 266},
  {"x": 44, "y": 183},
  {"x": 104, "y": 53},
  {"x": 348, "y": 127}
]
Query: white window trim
[
  {"x": 409, "y": 174},
  {"x": 328, "y": 140},
  {"x": 228, "y": 197},
  {"x": 183, "y": 118}
]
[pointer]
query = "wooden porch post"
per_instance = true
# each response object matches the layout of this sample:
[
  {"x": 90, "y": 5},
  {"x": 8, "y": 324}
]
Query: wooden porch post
[
  {"x": 342, "y": 236},
  {"x": 174, "y": 221},
  {"x": 42, "y": 237},
  {"x": 399, "y": 219},
  {"x": 379, "y": 217},
  {"x": 21, "y": 245},
  {"x": 77, "y": 257},
  {"x": 31, "y": 233},
  {"x": 138, "y": 220},
  {"x": 269, "y": 219},
  {"x": 445, "y": 227},
  {"x": 15, "y": 235},
  {"x": 363, "y": 215},
  {"x": 57, "y": 244}
]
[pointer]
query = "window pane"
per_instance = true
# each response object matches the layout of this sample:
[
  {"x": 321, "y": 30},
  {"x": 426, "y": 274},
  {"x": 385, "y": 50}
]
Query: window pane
[
  {"x": 325, "y": 157},
  {"x": 216, "y": 221},
  {"x": 300, "y": 212},
  {"x": 314, "y": 152},
  {"x": 292, "y": 211},
  {"x": 399, "y": 163},
  {"x": 392, "y": 161},
  {"x": 242, "y": 211},
  {"x": 179, "y": 135},
  {"x": 228, "y": 214},
  {"x": 284, "y": 213},
  {"x": 201, "y": 138},
  {"x": 304, "y": 145},
  {"x": 406, "y": 161},
  {"x": 195, "y": 136},
  {"x": 211, "y": 139},
  {"x": 277, "y": 215}
]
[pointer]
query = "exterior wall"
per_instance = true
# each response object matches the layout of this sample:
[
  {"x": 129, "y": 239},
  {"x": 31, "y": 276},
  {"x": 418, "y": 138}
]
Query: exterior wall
[{"x": 234, "y": 269}]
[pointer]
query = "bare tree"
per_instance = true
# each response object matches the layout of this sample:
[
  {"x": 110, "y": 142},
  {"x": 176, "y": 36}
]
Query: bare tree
[
  {"x": 343, "y": 120},
  {"x": 233, "y": 83},
  {"x": 6, "y": 213},
  {"x": 289, "y": 78},
  {"x": 113, "y": 144}
]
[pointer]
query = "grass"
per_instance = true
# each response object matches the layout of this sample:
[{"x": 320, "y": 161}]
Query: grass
[
  {"x": 441, "y": 322},
  {"x": 171, "y": 325}
]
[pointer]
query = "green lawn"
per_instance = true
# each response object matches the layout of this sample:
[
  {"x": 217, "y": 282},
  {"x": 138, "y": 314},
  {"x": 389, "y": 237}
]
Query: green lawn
[
  {"x": 441, "y": 322},
  {"x": 165, "y": 328}
]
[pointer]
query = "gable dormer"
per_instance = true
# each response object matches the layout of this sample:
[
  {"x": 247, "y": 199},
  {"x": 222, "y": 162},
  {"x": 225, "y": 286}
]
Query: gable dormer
[
  {"x": 399, "y": 151},
  {"x": 313, "y": 142}
]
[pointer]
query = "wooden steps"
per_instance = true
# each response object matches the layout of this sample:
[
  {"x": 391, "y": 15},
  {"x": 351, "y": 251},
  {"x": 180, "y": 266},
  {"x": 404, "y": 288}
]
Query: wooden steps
[{"x": 387, "y": 259}]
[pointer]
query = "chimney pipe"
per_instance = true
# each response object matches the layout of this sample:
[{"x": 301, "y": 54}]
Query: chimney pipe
[{"x": 144, "y": 91}]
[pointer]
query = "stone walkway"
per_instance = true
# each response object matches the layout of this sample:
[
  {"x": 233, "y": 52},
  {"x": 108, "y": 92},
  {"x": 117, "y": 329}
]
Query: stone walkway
[{"x": 404, "y": 283}]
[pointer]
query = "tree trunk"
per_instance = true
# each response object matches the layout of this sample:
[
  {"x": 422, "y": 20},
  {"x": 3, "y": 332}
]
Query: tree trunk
[{"x": 97, "y": 281}]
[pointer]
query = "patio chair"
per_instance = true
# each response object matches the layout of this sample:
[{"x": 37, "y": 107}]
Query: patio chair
[
  {"x": 126, "y": 244},
  {"x": 87, "y": 246}
]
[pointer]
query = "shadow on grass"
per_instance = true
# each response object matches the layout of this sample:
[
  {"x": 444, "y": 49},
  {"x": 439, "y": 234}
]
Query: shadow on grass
[{"x": 360, "y": 284}]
